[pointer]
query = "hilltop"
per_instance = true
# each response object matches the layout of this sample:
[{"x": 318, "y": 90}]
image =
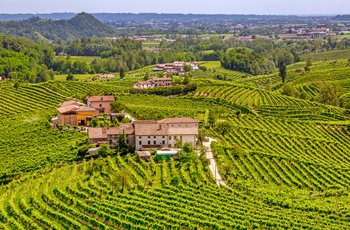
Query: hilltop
[{"x": 36, "y": 28}]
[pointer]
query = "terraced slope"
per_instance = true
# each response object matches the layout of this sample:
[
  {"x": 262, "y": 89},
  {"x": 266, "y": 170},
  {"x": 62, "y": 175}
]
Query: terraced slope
[{"x": 95, "y": 195}]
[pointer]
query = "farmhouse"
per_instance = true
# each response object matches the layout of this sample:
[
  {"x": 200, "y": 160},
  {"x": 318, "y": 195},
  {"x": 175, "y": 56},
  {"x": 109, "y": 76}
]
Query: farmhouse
[
  {"x": 175, "y": 67},
  {"x": 77, "y": 113},
  {"x": 101, "y": 103},
  {"x": 152, "y": 83},
  {"x": 74, "y": 113},
  {"x": 149, "y": 134}
]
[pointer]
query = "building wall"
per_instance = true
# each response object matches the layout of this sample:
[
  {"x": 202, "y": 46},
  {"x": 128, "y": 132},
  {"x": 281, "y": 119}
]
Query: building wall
[
  {"x": 150, "y": 140},
  {"x": 185, "y": 138},
  {"x": 113, "y": 140},
  {"x": 82, "y": 116},
  {"x": 101, "y": 104},
  {"x": 177, "y": 125},
  {"x": 69, "y": 119},
  {"x": 94, "y": 141}
]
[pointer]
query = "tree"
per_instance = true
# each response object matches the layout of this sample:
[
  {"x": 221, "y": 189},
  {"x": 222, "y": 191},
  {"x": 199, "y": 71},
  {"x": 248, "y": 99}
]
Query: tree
[
  {"x": 70, "y": 77},
  {"x": 329, "y": 94},
  {"x": 16, "y": 85},
  {"x": 121, "y": 73},
  {"x": 283, "y": 71},
  {"x": 104, "y": 151},
  {"x": 186, "y": 80},
  {"x": 223, "y": 127},
  {"x": 117, "y": 106}
]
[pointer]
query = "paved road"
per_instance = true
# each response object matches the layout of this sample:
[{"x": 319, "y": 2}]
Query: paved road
[{"x": 212, "y": 163}]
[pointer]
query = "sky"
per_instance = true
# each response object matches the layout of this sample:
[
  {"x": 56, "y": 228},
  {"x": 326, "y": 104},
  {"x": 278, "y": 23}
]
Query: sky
[{"x": 267, "y": 7}]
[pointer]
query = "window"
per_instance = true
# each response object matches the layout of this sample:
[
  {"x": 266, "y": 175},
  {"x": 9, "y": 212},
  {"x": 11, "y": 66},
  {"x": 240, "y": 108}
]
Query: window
[
  {"x": 169, "y": 138},
  {"x": 163, "y": 136},
  {"x": 140, "y": 137},
  {"x": 149, "y": 142},
  {"x": 175, "y": 137},
  {"x": 100, "y": 105},
  {"x": 154, "y": 142},
  {"x": 149, "y": 137},
  {"x": 127, "y": 141},
  {"x": 140, "y": 142},
  {"x": 163, "y": 142},
  {"x": 154, "y": 137}
]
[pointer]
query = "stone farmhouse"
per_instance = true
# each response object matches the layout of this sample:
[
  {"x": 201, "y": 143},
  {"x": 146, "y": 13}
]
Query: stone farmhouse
[
  {"x": 77, "y": 113},
  {"x": 149, "y": 134},
  {"x": 152, "y": 83}
]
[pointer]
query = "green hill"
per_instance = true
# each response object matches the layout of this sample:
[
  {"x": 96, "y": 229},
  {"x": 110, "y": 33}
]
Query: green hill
[{"x": 82, "y": 25}]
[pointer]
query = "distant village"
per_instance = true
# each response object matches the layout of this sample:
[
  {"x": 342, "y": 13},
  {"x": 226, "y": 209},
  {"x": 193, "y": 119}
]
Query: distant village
[
  {"x": 175, "y": 68},
  {"x": 142, "y": 135}
]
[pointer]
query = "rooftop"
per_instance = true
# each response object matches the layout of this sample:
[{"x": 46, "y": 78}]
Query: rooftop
[
  {"x": 99, "y": 98},
  {"x": 178, "y": 120},
  {"x": 97, "y": 133},
  {"x": 151, "y": 129}
]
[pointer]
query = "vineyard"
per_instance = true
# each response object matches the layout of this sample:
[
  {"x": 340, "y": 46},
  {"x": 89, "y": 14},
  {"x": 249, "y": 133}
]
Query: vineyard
[
  {"x": 27, "y": 141},
  {"x": 123, "y": 193},
  {"x": 285, "y": 161}
]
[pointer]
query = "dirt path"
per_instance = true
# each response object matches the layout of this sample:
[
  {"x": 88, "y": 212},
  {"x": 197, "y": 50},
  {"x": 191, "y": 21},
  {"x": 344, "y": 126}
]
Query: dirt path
[{"x": 212, "y": 163}]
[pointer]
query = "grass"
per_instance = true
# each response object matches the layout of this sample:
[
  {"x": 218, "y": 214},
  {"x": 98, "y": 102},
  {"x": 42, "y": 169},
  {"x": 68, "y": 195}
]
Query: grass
[
  {"x": 87, "y": 59},
  {"x": 81, "y": 77},
  {"x": 330, "y": 55},
  {"x": 150, "y": 44}
]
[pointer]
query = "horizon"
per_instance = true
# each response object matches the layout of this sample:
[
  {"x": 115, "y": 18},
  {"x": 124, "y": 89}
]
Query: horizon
[
  {"x": 53, "y": 12},
  {"x": 221, "y": 7}
]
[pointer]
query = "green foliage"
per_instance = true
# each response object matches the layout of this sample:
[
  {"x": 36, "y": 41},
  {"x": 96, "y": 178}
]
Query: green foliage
[
  {"x": 82, "y": 25},
  {"x": 329, "y": 94},
  {"x": 243, "y": 60},
  {"x": 105, "y": 151},
  {"x": 283, "y": 71},
  {"x": 70, "y": 77},
  {"x": 117, "y": 106}
]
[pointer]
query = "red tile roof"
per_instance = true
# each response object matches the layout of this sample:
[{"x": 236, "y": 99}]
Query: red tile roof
[
  {"x": 99, "y": 98},
  {"x": 128, "y": 129},
  {"x": 178, "y": 120},
  {"x": 97, "y": 133},
  {"x": 149, "y": 129}
]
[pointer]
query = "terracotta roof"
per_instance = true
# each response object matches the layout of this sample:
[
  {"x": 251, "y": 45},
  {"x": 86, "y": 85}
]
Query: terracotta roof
[
  {"x": 145, "y": 122},
  {"x": 85, "y": 109},
  {"x": 192, "y": 130},
  {"x": 128, "y": 129},
  {"x": 178, "y": 120},
  {"x": 97, "y": 133},
  {"x": 149, "y": 129},
  {"x": 71, "y": 102},
  {"x": 162, "y": 79},
  {"x": 100, "y": 98}
]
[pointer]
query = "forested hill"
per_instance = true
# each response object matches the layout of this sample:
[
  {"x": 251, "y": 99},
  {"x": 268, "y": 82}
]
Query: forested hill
[{"x": 82, "y": 25}]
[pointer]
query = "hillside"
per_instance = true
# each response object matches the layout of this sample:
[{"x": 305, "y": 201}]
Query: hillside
[
  {"x": 82, "y": 25},
  {"x": 285, "y": 160}
]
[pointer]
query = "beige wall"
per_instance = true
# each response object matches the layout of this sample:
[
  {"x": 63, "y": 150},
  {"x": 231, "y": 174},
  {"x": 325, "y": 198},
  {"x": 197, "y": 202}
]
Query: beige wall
[
  {"x": 177, "y": 125},
  {"x": 101, "y": 104},
  {"x": 114, "y": 138},
  {"x": 152, "y": 140},
  {"x": 185, "y": 138}
]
